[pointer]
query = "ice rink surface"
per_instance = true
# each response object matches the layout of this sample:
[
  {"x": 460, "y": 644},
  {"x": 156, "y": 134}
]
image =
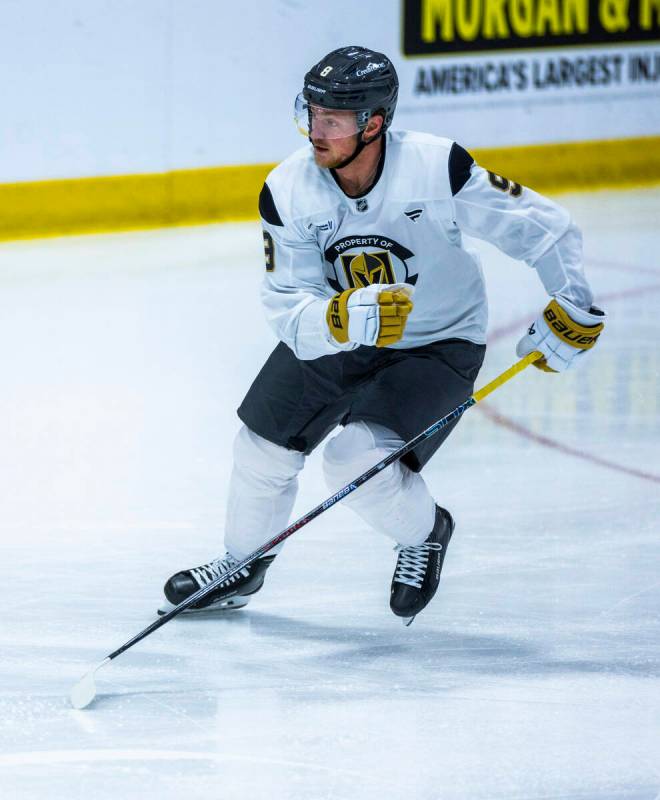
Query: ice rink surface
[{"x": 534, "y": 672}]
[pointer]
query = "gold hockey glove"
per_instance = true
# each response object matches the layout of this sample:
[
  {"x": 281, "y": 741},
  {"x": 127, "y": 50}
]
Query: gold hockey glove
[
  {"x": 374, "y": 316},
  {"x": 564, "y": 334}
]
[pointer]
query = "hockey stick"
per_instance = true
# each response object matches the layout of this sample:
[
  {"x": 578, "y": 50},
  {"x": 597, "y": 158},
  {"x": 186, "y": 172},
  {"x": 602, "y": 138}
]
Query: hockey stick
[{"x": 84, "y": 691}]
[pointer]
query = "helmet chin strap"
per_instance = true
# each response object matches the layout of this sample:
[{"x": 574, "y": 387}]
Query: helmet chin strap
[{"x": 359, "y": 147}]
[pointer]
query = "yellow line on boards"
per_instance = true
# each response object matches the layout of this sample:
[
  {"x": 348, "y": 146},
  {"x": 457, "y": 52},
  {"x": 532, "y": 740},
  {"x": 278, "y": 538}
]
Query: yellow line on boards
[
  {"x": 125, "y": 202},
  {"x": 578, "y": 166},
  {"x": 225, "y": 194}
]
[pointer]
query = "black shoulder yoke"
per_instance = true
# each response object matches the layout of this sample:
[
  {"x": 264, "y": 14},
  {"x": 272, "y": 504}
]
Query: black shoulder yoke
[
  {"x": 267, "y": 208},
  {"x": 460, "y": 162}
]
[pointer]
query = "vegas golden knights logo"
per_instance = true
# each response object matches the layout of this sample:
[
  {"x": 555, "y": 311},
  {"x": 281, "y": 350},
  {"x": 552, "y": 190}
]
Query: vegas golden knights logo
[
  {"x": 351, "y": 265},
  {"x": 367, "y": 268}
]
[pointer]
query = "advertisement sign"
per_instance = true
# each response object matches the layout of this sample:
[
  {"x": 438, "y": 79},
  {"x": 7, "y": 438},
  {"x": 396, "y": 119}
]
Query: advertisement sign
[
  {"x": 514, "y": 48},
  {"x": 438, "y": 27}
]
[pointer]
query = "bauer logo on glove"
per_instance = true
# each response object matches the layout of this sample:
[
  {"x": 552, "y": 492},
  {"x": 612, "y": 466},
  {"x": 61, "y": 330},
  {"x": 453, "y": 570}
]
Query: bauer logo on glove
[
  {"x": 564, "y": 334},
  {"x": 580, "y": 336}
]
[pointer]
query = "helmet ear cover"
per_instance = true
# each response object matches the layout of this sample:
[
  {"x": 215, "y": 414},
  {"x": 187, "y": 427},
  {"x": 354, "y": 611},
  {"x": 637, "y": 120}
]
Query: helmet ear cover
[{"x": 362, "y": 118}]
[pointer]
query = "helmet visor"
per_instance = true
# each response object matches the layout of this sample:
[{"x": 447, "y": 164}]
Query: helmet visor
[{"x": 326, "y": 123}]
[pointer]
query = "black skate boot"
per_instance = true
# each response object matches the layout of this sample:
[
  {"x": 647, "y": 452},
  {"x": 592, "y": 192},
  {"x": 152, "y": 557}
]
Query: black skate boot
[
  {"x": 232, "y": 593},
  {"x": 418, "y": 568}
]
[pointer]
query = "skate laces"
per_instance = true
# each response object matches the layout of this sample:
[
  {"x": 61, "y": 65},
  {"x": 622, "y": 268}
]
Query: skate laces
[
  {"x": 207, "y": 573},
  {"x": 412, "y": 562}
]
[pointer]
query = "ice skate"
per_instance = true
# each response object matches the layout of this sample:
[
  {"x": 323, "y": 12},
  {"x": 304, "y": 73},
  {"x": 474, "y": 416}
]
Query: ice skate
[
  {"x": 418, "y": 567},
  {"x": 232, "y": 594}
]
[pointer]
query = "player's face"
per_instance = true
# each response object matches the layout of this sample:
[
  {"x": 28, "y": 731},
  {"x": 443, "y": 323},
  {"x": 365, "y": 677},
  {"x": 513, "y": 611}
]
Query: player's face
[
  {"x": 333, "y": 135},
  {"x": 329, "y": 153}
]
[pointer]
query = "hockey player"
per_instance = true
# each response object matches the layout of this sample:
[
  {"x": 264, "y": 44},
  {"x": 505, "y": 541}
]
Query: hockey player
[{"x": 381, "y": 315}]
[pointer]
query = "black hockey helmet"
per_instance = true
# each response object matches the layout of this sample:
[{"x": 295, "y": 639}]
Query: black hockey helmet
[{"x": 357, "y": 79}]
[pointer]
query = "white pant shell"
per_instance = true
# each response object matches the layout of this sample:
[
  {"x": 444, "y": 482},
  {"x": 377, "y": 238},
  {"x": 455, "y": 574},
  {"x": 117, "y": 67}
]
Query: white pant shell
[
  {"x": 396, "y": 501},
  {"x": 262, "y": 491},
  {"x": 264, "y": 484}
]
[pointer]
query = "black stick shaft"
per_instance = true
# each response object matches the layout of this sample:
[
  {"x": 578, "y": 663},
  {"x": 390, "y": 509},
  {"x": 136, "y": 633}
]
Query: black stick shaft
[{"x": 299, "y": 523}]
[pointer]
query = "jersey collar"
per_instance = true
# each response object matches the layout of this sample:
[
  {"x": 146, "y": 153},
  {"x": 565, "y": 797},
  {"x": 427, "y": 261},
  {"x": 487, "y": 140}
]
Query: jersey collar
[{"x": 379, "y": 172}]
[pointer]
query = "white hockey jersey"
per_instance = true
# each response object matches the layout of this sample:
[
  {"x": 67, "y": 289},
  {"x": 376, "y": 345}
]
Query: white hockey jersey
[{"x": 406, "y": 228}]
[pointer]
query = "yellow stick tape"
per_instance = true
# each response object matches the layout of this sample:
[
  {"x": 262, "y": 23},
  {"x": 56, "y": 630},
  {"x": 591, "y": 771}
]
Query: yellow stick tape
[{"x": 519, "y": 366}]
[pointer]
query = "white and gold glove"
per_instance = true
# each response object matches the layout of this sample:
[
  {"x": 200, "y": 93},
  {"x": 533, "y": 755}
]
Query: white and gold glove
[
  {"x": 564, "y": 334},
  {"x": 374, "y": 316}
]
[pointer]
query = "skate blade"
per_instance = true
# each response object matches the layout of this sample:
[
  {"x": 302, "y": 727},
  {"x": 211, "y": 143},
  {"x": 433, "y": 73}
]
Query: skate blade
[
  {"x": 219, "y": 607},
  {"x": 408, "y": 621}
]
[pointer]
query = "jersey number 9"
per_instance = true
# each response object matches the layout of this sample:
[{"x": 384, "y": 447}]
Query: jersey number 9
[
  {"x": 269, "y": 252},
  {"x": 505, "y": 185}
]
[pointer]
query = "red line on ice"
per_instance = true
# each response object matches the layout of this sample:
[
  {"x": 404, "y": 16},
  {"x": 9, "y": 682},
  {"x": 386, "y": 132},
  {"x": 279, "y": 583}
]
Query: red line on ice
[{"x": 546, "y": 441}]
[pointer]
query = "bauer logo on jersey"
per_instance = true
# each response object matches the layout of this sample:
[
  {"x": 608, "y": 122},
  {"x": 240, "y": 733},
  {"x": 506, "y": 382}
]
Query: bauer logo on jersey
[{"x": 358, "y": 261}]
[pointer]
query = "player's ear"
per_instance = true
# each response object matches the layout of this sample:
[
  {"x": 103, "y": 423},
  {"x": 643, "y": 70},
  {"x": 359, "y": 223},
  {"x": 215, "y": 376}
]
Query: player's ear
[{"x": 373, "y": 127}]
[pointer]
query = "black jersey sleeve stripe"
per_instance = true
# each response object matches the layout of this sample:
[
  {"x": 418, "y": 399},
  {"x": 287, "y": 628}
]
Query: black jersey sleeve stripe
[
  {"x": 267, "y": 207},
  {"x": 460, "y": 162}
]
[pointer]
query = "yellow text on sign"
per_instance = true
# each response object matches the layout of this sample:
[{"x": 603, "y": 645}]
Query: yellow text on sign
[
  {"x": 648, "y": 9},
  {"x": 499, "y": 19},
  {"x": 467, "y": 20}
]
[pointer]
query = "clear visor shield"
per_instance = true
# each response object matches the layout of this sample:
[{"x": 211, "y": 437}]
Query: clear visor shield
[{"x": 326, "y": 123}]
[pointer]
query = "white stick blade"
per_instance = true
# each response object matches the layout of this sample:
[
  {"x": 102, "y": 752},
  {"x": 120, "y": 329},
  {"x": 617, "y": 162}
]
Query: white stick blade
[{"x": 84, "y": 691}]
